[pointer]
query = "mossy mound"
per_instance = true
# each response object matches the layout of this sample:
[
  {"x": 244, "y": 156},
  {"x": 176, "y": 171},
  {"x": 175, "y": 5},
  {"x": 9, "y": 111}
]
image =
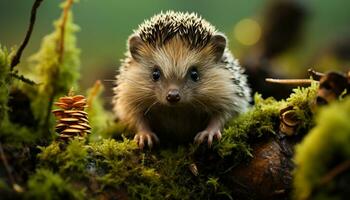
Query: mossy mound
[
  {"x": 109, "y": 167},
  {"x": 323, "y": 154}
]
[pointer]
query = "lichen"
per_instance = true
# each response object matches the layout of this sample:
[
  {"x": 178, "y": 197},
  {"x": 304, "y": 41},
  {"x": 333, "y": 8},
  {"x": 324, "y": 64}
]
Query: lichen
[{"x": 325, "y": 146}]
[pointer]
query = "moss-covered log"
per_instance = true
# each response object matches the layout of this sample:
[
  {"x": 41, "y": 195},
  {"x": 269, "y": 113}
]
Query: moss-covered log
[{"x": 252, "y": 161}]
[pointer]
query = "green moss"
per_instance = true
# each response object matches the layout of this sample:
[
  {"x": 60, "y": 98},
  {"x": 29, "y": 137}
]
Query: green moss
[
  {"x": 45, "y": 184},
  {"x": 302, "y": 100},
  {"x": 303, "y": 97},
  {"x": 327, "y": 145},
  {"x": 118, "y": 166},
  {"x": 261, "y": 119},
  {"x": 4, "y": 85},
  {"x": 67, "y": 159},
  {"x": 47, "y": 64},
  {"x": 50, "y": 153},
  {"x": 116, "y": 161},
  {"x": 16, "y": 134},
  {"x": 56, "y": 73},
  {"x": 111, "y": 149},
  {"x": 10, "y": 133},
  {"x": 75, "y": 157}
]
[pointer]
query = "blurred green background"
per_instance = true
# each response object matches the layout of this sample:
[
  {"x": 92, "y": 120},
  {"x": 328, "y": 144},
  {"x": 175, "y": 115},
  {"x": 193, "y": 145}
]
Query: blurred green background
[{"x": 105, "y": 26}]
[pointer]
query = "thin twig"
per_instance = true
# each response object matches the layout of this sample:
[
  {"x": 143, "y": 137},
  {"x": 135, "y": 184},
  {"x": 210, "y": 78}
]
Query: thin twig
[
  {"x": 61, "y": 41},
  {"x": 342, "y": 167},
  {"x": 16, "y": 59},
  {"x": 290, "y": 81},
  {"x": 6, "y": 165},
  {"x": 22, "y": 78}
]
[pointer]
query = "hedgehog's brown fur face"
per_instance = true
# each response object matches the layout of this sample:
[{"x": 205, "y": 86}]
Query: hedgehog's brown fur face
[{"x": 178, "y": 74}]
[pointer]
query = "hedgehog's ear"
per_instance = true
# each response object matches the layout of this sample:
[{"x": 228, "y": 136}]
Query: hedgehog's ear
[
  {"x": 135, "y": 44},
  {"x": 218, "y": 43}
]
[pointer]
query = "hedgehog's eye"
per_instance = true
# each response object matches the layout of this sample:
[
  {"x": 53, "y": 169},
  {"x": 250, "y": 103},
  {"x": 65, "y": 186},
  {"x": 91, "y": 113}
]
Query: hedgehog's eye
[
  {"x": 194, "y": 74},
  {"x": 155, "y": 74}
]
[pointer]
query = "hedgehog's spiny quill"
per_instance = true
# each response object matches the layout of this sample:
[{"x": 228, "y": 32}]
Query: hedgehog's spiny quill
[{"x": 189, "y": 26}]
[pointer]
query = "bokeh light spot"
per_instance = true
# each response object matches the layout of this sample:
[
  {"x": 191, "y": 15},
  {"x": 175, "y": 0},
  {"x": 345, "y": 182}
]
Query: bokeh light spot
[{"x": 247, "y": 31}]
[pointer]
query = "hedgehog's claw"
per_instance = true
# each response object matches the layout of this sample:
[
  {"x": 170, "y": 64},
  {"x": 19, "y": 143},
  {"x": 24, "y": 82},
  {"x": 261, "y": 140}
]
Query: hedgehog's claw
[
  {"x": 209, "y": 134},
  {"x": 145, "y": 137}
]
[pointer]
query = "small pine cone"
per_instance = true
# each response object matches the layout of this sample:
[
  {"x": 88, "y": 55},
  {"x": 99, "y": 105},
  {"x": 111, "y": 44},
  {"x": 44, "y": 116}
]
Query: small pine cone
[{"x": 72, "y": 120}]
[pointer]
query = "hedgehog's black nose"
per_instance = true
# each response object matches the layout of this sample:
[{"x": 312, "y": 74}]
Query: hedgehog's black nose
[{"x": 173, "y": 96}]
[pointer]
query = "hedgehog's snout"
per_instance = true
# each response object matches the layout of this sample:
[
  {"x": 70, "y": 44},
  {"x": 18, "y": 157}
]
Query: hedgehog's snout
[{"x": 173, "y": 96}]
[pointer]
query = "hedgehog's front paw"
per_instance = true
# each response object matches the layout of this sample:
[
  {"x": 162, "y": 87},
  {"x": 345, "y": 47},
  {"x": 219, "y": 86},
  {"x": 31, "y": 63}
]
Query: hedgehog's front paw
[
  {"x": 143, "y": 137},
  {"x": 209, "y": 134}
]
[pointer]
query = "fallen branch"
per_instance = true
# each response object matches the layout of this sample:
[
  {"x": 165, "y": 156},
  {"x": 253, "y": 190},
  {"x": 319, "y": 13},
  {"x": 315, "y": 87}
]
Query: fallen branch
[
  {"x": 290, "y": 81},
  {"x": 316, "y": 76},
  {"x": 16, "y": 59}
]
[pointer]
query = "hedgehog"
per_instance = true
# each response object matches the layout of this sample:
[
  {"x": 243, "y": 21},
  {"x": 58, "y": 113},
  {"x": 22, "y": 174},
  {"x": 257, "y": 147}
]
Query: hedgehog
[{"x": 178, "y": 82}]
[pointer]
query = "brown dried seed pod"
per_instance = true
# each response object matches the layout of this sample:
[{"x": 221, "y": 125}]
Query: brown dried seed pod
[
  {"x": 80, "y": 103},
  {"x": 62, "y": 136},
  {"x": 332, "y": 85},
  {"x": 76, "y": 126},
  {"x": 72, "y": 120},
  {"x": 84, "y": 120},
  {"x": 83, "y": 112},
  {"x": 69, "y": 120},
  {"x": 70, "y": 131},
  {"x": 60, "y": 129},
  {"x": 67, "y": 100},
  {"x": 78, "y": 115},
  {"x": 58, "y": 112},
  {"x": 87, "y": 126},
  {"x": 71, "y": 111},
  {"x": 78, "y": 97},
  {"x": 289, "y": 121},
  {"x": 61, "y": 125},
  {"x": 63, "y": 105}
]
